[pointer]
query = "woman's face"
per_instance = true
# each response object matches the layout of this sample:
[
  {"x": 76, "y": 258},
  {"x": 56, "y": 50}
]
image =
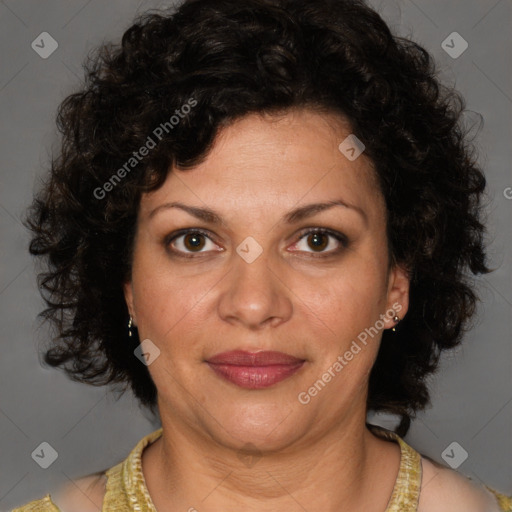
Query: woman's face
[{"x": 256, "y": 279}]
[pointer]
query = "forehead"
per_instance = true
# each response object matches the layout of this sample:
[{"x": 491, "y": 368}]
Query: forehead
[{"x": 262, "y": 161}]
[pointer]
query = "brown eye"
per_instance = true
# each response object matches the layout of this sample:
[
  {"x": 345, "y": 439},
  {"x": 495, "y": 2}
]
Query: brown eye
[
  {"x": 318, "y": 241},
  {"x": 193, "y": 241},
  {"x": 321, "y": 241},
  {"x": 188, "y": 242}
]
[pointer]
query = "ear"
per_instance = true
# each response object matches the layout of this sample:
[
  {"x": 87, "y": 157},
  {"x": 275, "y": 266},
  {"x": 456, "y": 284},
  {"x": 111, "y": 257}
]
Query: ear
[
  {"x": 398, "y": 293},
  {"x": 128, "y": 297}
]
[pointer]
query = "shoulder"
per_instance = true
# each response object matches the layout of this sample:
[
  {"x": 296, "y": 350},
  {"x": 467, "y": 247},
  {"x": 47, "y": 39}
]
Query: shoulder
[
  {"x": 41, "y": 505},
  {"x": 82, "y": 495},
  {"x": 446, "y": 490}
]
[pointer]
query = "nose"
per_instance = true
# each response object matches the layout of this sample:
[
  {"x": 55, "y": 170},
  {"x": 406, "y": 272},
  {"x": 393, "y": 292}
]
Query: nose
[{"x": 254, "y": 295}]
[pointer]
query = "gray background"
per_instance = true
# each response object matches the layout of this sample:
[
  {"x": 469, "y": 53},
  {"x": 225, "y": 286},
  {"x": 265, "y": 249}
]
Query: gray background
[{"x": 472, "y": 394}]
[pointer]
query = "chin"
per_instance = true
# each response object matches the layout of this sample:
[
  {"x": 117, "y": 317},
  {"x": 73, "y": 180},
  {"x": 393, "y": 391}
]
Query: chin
[{"x": 268, "y": 427}]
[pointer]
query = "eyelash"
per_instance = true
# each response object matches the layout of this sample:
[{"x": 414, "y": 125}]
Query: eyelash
[{"x": 340, "y": 237}]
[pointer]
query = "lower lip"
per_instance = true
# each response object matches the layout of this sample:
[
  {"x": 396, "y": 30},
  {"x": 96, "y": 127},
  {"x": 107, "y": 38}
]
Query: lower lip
[{"x": 255, "y": 377}]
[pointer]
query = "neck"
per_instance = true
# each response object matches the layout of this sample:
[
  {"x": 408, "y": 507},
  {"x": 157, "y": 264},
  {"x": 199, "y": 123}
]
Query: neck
[{"x": 346, "y": 468}]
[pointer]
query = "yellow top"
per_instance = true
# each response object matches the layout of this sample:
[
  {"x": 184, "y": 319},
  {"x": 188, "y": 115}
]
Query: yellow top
[{"x": 127, "y": 491}]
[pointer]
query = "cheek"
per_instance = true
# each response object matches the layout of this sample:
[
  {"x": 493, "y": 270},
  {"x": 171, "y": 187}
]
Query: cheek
[
  {"x": 342, "y": 309},
  {"x": 347, "y": 342},
  {"x": 153, "y": 295},
  {"x": 162, "y": 304},
  {"x": 351, "y": 295},
  {"x": 169, "y": 305}
]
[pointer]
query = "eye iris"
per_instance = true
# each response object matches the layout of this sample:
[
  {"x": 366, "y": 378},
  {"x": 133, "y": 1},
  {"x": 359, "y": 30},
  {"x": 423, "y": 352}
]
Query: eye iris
[
  {"x": 317, "y": 242},
  {"x": 194, "y": 241}
]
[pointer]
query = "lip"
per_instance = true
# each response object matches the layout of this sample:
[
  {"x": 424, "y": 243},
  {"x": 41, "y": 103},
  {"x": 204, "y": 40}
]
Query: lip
[{"x": 254, "y": 370}]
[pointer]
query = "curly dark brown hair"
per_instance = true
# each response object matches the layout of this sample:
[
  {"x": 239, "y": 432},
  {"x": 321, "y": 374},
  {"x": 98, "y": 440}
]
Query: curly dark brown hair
[{"x": 229, "y": 58}]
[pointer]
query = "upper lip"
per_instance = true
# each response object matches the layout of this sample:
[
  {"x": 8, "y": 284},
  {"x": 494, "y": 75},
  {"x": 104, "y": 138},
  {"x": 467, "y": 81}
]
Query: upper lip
[{"x": 262, "y": 358}]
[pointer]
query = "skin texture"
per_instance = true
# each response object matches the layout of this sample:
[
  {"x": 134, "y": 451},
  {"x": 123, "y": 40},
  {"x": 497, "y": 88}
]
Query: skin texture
[
  {"x": 445, "y": 490},
  {"x": 442, "y": 490},
  {"x": 83, "y": 495},
  {"x": 286, "y": 300}
]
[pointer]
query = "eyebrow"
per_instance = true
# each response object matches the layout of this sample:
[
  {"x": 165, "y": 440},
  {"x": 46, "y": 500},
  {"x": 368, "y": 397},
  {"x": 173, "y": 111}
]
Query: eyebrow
[{"x": 293, "y": 216}]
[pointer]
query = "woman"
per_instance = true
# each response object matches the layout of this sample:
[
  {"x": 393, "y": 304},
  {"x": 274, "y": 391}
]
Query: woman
[{"x": 261, "y": 220}]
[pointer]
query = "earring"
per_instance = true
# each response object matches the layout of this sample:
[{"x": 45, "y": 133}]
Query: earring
[
  {"x": 130, "y": 324},
  {"x": 396, "y": 319}
]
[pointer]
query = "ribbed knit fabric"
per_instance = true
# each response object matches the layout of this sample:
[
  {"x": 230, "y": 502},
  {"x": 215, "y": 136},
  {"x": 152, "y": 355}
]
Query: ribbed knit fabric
[
  {"x": 406, "y": 492},
  {"x": 43, "y": 505},
  {"x": 127, "y": 490},
  {"x": 126, "y": 487}
]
